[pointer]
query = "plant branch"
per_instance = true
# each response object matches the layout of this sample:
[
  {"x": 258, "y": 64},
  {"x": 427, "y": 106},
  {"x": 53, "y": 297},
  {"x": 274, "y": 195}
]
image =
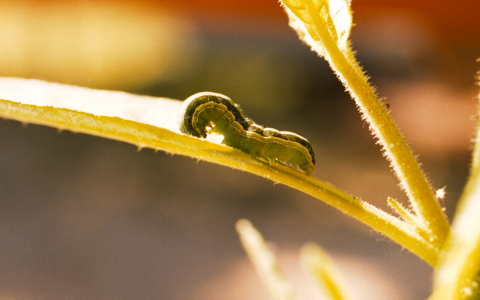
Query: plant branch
[
  {"x": 264, "y": 261},
  {"x": 324, "y": 270},
  {"x": 144, "y": 135},
  {"x": 402, "y": 160},
  {"x": 457, "y": 274}
]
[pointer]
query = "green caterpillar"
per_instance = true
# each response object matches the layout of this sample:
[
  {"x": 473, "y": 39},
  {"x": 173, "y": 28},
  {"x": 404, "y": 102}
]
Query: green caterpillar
[{"x": 206, "y": 112}]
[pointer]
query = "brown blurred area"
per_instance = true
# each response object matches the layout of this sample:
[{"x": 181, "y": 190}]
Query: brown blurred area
[{"x": 87, "y": 218}]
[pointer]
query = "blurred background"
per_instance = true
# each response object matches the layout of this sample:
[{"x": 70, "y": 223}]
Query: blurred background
[{"x": 87, "y": 218}]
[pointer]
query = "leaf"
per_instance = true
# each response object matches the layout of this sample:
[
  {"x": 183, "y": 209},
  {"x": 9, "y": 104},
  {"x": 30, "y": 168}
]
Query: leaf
[
  {"x": 342, "y": 18},
  {"x": 312, "y": 18},
  {"x": 140, "y": 120},
  {"x": 151, "y": 122},
  {"x": 160, "y": 112}
]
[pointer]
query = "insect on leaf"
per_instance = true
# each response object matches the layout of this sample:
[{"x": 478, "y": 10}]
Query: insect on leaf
[{"x": 204, "y": 110}]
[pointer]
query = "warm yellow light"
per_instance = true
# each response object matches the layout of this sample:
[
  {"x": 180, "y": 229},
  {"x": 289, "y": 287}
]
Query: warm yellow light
[{"x": 93, "y": 44}]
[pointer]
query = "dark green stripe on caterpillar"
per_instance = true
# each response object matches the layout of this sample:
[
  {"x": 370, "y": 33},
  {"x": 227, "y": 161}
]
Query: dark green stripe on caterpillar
[{"x": 206, "y": 112}]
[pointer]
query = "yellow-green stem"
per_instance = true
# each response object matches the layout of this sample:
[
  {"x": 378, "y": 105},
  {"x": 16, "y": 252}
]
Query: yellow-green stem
[
  {"x": 144, "y": 135},
  {"x": 459, "y": 264},
  {"x": 264, "y": 261},
  {"x": 401, "y": 158},
  {"x": 325, "y": 271},
  {"x": 392, "y": 227}
]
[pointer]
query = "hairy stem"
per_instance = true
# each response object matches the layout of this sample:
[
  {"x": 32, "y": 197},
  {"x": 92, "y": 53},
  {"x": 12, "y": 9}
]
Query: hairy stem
[
  {"x": 144, "y": 135},
  {"x": 402, "y": 160},
  {"x": 458, "y": 271}
]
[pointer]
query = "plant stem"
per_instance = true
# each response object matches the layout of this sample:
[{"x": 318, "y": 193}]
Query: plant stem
[
  {"x": 264, "y": 261},
  {"x": 144, "y": 135},
  {"x": 325, "y": 271},
  {"x": 397, "y": 230},
  {"x": 408, "y": 171},
  {"x": 457, "y": 272}
]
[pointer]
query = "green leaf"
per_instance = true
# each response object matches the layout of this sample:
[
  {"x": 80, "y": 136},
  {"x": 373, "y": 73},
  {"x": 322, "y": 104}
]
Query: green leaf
[
  {"x": 143, "y": 121},
  {"x": 159, "y": 112},
  {"x": 335, "y": 16},
  {"x": 151, "y": 122}
]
